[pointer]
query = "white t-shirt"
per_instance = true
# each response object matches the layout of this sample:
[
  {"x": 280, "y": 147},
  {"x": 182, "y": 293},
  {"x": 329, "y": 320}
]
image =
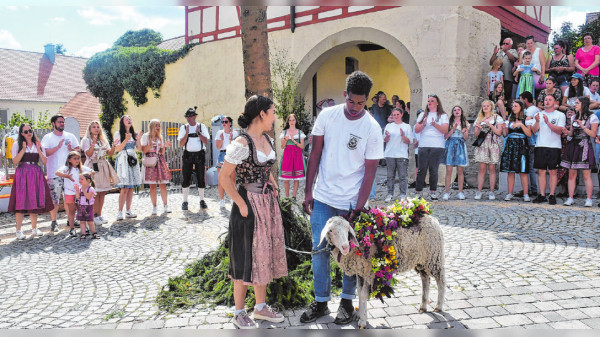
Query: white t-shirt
[
  {"x": 29, "y": 149},
  {"x": 347, "y": 144},
  {"x": 193, "y": 143},
  {"x": 395, "y": 147},
  {"x": 571, "y": 101},
  {"x": 545, "y": 137},
  {"x": 430, "y": 136},
  {"x": 594, "y": 96},
  {"x": 58, "y": 158},
  {"x": 69, "y": 186},
  {"x": 416, "y": 136},
  {"x": 221, "y": 133},
  {"x": 593, "y": 120}
]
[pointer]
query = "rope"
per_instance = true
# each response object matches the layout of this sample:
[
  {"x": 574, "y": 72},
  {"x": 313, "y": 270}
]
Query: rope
[{"x": 314, "y": 252}]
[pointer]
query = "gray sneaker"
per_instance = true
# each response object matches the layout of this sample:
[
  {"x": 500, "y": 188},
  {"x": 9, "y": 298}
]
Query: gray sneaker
[
  {"x": 242, "y": 321},
  {"x": 268, "y": 314}
]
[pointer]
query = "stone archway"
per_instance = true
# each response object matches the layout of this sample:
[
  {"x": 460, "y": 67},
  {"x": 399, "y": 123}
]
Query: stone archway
[{"x": 315, "y": 58}]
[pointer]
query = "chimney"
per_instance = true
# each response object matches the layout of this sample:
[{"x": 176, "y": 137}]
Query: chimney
[{"x": 49, "y": 50}]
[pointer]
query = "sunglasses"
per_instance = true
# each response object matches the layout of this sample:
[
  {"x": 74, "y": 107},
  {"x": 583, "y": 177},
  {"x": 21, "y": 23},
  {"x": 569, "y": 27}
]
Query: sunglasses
[
  {"x": 432, "y": 95},
  {"x": 225, "y": 122},
  {"x": 27, "y": 131},
  {"x": 506, "y": 43}
]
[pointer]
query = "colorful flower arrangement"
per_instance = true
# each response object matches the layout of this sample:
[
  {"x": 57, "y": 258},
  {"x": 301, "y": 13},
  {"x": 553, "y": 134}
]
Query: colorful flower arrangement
[{"x": 377, "y": 227}]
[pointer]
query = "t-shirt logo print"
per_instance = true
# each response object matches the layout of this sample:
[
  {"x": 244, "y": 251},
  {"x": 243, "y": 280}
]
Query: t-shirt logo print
[
  {"x": 353, "y": 142},
  {"x": 553, "y": 121}
]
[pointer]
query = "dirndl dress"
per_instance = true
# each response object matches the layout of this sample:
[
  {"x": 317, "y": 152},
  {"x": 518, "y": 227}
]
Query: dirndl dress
[
  {"x": 129, "y": 176},
  {"x": 106, "y": 176},
  {"x": 158, "y": 174},
  {"x": 579, "y": 152},
  {"x": 526, "y": 82},
  {"x": 515, "y": 157},
  {"x": 489, "y": 151},
  {"x": 256, "y": 242},
  {"x": 455, "y": 153},
  {"x": 292, "y": 166},
  {"x": 30, "y": 192}
]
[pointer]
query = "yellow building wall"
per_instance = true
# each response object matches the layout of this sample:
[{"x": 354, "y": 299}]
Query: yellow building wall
[{"x": 383, "y": 68}]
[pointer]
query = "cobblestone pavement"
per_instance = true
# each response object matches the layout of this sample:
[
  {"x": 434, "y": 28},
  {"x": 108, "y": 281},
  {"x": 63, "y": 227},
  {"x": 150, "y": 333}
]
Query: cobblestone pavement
[{"x": 509, "y": 264}]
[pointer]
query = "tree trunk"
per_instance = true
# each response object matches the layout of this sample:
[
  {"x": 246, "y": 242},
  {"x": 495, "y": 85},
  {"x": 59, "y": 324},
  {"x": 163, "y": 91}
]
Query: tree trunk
[{"x": 255, "y": 49}]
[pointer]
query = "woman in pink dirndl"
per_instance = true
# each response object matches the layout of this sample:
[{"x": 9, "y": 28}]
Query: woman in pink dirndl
[
  {"x": 292, "y": 162},
  {"x": 159, "y": 174}
]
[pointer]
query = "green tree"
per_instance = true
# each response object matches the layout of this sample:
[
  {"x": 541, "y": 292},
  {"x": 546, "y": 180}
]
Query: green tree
[
  {"x": 60, "y": 49},
  {"x": 574, "y": 36},
  {"x": 139, "y": 38}
]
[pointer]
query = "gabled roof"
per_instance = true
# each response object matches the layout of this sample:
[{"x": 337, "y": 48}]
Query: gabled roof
[
  {"x": 173, "y": 44},
  {"x": 29, "y": 76},
  {"x": 84, "y": 107}
]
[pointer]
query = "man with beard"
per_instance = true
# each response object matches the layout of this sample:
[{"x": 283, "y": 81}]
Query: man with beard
[
  {"x": 57, "y": 144},
  {"x": 347, "y": 145}
]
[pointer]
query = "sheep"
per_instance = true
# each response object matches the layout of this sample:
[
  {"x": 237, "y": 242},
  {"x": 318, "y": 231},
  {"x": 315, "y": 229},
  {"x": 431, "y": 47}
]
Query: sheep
[{"x": 421, "y": 249}]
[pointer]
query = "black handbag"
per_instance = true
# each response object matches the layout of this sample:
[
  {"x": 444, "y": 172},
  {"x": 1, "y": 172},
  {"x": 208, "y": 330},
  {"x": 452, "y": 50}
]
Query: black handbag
[
  {"x": 480, "y": 139},
  {"x": 132, "y": 160}
]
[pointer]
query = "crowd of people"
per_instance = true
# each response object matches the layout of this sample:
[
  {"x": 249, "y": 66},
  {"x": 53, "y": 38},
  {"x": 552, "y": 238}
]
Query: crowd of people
[{"x": 83, "y": 182}]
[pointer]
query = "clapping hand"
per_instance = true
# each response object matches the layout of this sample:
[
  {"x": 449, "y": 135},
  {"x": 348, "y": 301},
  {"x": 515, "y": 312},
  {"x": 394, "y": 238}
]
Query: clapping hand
[
  {"x": 38, "y": 145},
  {"x": 387, "y": 136},
  {"x": 546, "y": 119},
  {"x": 127, "y": 137},
  {"x": 537, "y": 118},
  {"x": 140, "y": 134},
  {"x": 70, "y": 176},
  {"x": 496, "y": 49},
  {"x": 168, "y": 143}
]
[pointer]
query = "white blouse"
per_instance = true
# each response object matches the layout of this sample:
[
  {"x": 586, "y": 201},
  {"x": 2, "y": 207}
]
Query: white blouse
[{"x": 237, "y": 152}]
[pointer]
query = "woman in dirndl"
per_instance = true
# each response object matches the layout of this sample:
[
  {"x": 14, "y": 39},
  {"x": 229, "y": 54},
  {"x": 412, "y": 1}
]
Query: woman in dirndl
[
  {"x": 579, "y": 152},
  {"x": 292, "y": 166},
  {"x": 515, "y": 156},
  {"x": 159, "y": 174},
  {"x": 30, "y": 193},
  {"x": 127, "y": 165},
  {"x": 96, "y": 147},
  {"x": 256, "y": 240},
  {"x": 488, "y": 154}
]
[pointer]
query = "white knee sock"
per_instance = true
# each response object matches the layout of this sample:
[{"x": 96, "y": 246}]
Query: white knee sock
[
  {"x": 201, "y": 193},
  {"x": 259, "y": 306},
  {"x": 186, "y": 192}
]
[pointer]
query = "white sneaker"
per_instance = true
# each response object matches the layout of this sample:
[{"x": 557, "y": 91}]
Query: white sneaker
[
  {"x": 98, "y": 221},
  {"x": 388, "y": 198},
  {"x": 569, "y": 202},
  {"x": 461, "y": 196},
  {"x": 104, "y": 221},
  {"x": 433, "y": 196},
  {"x": 222, "y": 203},
  {"x": 154, "y": 211},
  {"x": 508, "y": 197},
  {"x": 20, "y": 235},
  {"x": 402, "y": 197},
  {"x": 167, "y": 210},
  {"x": 120, "y": 215},
  {"x": 492, "y": 196},
  {"x": 478, "y": 195},
  {"x": 526, "y": 198},
  {"x": 446, "y": 196},
  {"x": 37, "y": 232},
  {"x": 588, "y": 203},
  {"x": 129, "y": 214}
]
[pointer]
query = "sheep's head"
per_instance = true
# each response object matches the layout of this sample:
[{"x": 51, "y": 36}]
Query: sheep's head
[{"x": 339, "y": 233}]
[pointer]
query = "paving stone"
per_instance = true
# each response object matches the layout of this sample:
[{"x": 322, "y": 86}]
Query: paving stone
[
  {"x": 177, "y": 322},
  {"x": 569, "y": 325},
  {"x": 591, "y": 311},
  {"x": 513, "y": 320},
  {"x": 521, "y": 308},
  {"x": 572, "y": 314},
  {"x": 593, "y": 323},
  {"x": 480, "y": 323},
  {"x": 157, "y": 324},
  {"x": 399, "y": 321},
  {"x": 478, "y": 312}
]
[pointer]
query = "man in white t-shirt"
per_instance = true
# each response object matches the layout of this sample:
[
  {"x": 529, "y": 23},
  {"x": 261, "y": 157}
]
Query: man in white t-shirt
[
  {"x": 193, "y": 138},
  {"x": 530, "y": 110},
  {"x": 57, "y": 144},
  {"x": 550, "y": 124},
  {"x": 347, "y": 146}
]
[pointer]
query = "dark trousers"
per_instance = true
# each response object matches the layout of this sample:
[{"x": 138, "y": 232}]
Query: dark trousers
[
  {"x": 508, "y": 89},
  {"x": 193, "y": 162},
  {"x": 429, "y": 160}
]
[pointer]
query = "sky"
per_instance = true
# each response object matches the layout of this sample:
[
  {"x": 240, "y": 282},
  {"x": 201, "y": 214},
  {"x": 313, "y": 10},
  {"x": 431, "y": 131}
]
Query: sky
[{"x": 86, "y": 30}]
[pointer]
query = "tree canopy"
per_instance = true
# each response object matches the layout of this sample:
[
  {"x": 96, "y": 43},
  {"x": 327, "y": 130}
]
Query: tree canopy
[
  {"x": 574, "y": 36},
  {"x": 139, "y": 38}
]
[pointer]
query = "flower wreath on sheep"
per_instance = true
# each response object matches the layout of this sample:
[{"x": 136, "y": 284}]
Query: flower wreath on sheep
[{"x": 377, "y": 227}]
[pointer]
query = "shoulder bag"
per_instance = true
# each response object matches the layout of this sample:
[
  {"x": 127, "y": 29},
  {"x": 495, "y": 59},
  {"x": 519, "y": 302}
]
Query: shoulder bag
[{"x": 150, "y": 161}]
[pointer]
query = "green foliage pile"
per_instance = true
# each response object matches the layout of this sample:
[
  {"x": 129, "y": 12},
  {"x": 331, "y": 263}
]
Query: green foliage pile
[
  {"x": 128, "y": 66},
  {"x": 206, "y": 281},
  {"x": 574, "y": 36},
  {"x": 288, "y": 100}
]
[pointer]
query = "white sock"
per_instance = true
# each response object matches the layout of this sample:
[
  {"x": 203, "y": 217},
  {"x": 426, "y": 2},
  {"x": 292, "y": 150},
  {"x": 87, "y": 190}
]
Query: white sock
[
  {"x": 186, "y": 192},
  {"x": 237, "y": 312},
  {"x": 201, "y": 193},
  {"x": 260, "y": 306}
]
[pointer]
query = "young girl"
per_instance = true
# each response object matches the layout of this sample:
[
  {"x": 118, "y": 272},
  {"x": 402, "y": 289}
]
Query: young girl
[
  {"x": 515, "y": 157},
  {"x": 525, "y": 73},
  {"x": 497, "y": 96},
  {"x": 495, "y": 75},
  {"x": 70, "y": 172},
  {"x": 86, "y": 193},
  {"x": 223, "y": 139},
  {"x": 456, "y": 150},
  {"x": 398, "y": 136},
  {"x": 488, "y": 154},
  {"x": 153, "y": 146}
]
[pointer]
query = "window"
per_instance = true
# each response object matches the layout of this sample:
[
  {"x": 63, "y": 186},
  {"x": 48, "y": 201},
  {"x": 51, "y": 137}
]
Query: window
[
  {"x": 351, "y": 65},
  {"x": 4, "y": 116},
  {"x": 29, "y": 114}
]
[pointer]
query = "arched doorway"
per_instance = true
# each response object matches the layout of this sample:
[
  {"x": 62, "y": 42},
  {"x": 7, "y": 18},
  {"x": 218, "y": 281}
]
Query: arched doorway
[{"x": 337, "y": 42}]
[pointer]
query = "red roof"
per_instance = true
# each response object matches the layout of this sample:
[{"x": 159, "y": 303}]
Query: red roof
[
  {"x": 84, "y": 107},
  {"x": 29, "y": 76}
]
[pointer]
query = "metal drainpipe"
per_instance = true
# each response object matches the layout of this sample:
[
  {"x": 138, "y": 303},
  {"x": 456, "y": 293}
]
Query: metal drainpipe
[{"x": 293, "y": 18}]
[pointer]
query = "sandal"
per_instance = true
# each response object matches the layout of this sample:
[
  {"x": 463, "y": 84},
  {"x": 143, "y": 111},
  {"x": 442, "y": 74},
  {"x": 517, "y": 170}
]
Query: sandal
[
  {"x": 82, "y": 237},
  {"x": 95, "y": 236}
]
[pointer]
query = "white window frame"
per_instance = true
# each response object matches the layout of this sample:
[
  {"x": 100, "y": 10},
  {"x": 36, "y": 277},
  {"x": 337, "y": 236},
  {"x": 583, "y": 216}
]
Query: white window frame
[{"x": 5, "y": 112}]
